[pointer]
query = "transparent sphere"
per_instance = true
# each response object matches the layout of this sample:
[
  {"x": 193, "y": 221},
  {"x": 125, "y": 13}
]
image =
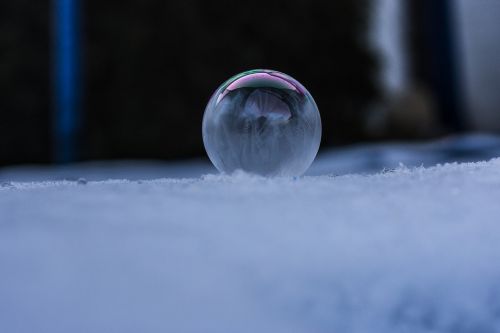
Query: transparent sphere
[{"x": 262, "y": 122}]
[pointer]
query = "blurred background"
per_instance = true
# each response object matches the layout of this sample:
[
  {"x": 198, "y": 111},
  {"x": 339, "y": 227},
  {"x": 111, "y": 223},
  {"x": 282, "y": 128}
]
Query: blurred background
[{"x": 106, "y": 80}]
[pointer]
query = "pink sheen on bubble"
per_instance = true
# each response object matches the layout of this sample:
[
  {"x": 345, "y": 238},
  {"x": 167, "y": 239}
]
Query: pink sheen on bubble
[{"x": 256, "y": 79}]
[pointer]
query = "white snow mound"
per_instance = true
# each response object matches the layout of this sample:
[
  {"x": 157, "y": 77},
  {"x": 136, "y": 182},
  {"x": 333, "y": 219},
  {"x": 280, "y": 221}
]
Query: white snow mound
[{"x": 408, "y": 250}]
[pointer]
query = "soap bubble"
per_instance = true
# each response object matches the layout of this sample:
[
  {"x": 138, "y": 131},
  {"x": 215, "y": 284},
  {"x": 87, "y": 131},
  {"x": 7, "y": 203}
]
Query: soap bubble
[{"x": 262, "y": 122}]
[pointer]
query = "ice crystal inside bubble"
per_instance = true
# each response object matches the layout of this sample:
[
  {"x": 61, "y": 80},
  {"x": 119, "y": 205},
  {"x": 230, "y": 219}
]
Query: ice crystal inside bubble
[{"x": 262, "y": 122}]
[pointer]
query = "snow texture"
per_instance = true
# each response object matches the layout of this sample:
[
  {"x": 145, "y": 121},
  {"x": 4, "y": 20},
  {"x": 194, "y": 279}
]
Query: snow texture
[{"x": 406, "y": 250}]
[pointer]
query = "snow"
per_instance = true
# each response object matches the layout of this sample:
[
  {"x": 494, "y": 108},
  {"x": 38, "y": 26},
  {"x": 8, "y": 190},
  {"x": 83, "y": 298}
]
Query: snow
[{"x": 406, "y": 250}]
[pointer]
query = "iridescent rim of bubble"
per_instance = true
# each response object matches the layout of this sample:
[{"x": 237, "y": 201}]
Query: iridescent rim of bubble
[{"x": 257, "y": 78}]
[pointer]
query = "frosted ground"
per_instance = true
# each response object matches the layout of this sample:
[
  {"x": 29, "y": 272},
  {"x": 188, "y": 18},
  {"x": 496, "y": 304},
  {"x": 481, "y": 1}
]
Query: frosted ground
[{"x": 347, "y": 249}]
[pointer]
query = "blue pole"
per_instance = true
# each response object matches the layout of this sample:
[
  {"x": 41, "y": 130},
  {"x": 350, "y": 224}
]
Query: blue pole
[{"x": 66, "y": 80}]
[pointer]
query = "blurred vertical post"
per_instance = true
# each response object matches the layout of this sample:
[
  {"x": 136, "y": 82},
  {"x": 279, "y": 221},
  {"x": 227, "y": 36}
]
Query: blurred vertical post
[
  {"x": 435, "y": 57},
  {"x": 67, "y": 96}
]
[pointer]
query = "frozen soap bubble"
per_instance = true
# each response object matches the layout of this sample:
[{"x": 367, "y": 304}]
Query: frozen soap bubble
[{"x": 262, "y": 122}]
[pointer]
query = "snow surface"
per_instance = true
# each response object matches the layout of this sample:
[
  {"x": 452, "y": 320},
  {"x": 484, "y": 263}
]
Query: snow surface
[{"x": 407, "y": 250}]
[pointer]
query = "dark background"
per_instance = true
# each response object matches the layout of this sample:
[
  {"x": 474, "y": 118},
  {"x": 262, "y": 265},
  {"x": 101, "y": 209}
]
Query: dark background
[
  {"x": 25, "y": 81},
  {"x": 150, "y": 66}
]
